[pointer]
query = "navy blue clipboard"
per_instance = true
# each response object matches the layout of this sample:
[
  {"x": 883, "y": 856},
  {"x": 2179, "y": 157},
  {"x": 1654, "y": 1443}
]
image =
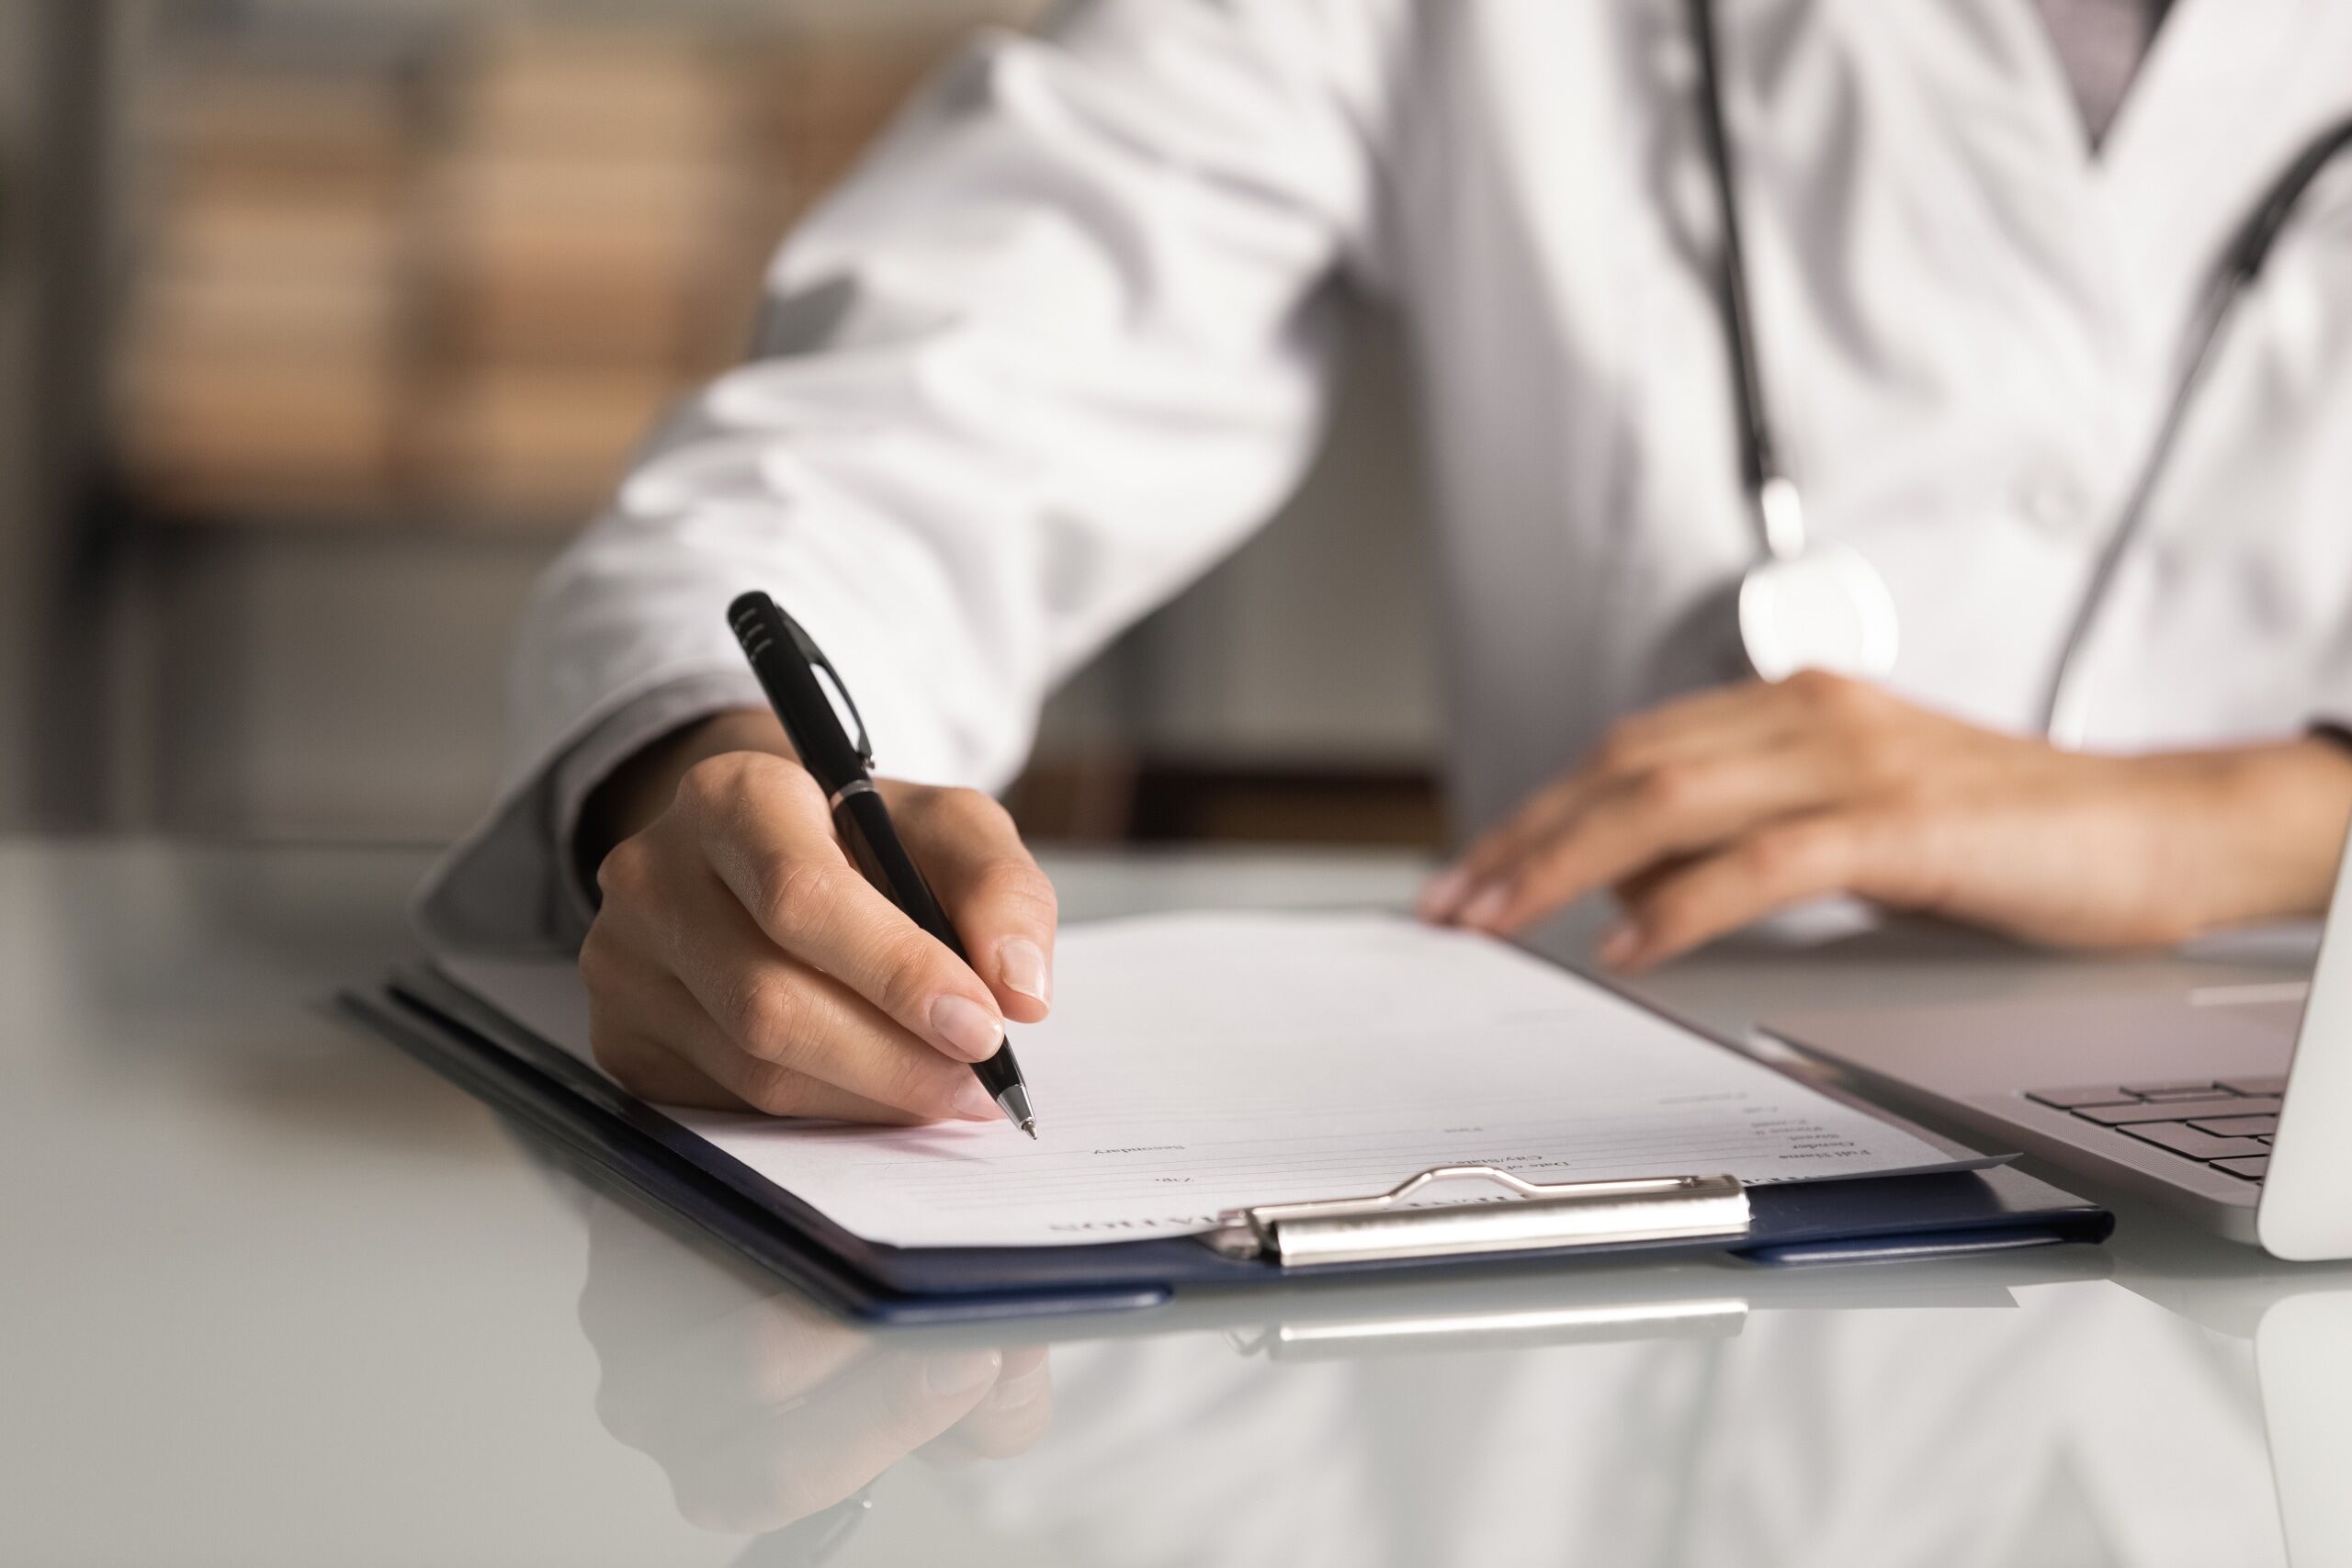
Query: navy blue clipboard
[{"x": 561, "y": 1098}]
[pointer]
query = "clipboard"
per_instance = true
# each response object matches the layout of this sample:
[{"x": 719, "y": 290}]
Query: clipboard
[{"x": 545, "y": 1090}]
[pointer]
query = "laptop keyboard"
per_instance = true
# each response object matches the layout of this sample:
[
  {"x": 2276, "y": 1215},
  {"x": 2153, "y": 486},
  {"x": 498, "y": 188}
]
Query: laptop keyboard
[{"x": 2226, "y": 1123}]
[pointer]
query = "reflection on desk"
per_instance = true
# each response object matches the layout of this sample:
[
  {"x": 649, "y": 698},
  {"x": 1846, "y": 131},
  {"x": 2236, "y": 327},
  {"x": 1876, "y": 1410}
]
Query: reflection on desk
[{"x": 1889, "y": 1417}]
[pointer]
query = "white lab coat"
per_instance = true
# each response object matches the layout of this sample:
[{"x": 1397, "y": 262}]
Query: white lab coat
[{"x": 1067, "y": 336}]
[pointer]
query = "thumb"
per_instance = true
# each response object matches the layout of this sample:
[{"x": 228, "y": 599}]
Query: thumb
[{"x": 990, "y": 885}]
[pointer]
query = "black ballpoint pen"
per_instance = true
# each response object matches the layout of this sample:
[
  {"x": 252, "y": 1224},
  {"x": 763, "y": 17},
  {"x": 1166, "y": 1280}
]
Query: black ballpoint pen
[{"x": 788, "y": 663}]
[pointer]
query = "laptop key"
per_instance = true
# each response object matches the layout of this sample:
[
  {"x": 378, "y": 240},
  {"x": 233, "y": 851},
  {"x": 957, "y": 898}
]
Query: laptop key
[
  {"x": 2256, "y": 1086},
  {"x": 2166, "y": 1090},
  {"x": 2238, "y": 1126},
  {"x": 2189, "y": 1141},
  {"x": 2254, "y": 1167},
  {"x": 2175, "y": 1111},
  {"x": 2068, "y": 1099}
]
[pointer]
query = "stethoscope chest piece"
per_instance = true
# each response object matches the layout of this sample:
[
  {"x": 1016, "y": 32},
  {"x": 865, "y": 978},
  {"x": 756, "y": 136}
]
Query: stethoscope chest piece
[
  {"x": 1823, "y": 607},
  {"x": 1815, "y": 604},
  {"x": 1810, "y": 603}
]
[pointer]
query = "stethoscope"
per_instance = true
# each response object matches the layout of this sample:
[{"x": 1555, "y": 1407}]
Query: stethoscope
[{"x": 1819, "y": 603}]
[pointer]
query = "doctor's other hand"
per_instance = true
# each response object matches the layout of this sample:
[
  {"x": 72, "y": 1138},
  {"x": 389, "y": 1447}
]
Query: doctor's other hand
[
  {"x": 1716, "y": 809},
  {"x": 740, "y": 960}
]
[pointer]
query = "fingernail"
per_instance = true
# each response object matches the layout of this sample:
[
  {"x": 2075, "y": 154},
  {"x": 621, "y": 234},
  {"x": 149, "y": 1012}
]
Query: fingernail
[
  {"x": 1619, "y": 946},
  {"x": 1486, "y": 904},
  {"x": 1443, "y": 894},
  {"x": 965, "y": 1028},
  {"x": 1021, "y": 964},
  {"x": 950, "y": 1375}
]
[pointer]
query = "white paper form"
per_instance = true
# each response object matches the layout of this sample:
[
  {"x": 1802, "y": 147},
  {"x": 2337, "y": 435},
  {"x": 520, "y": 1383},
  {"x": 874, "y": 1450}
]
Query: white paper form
[{"x": 1203, "y": 1062}]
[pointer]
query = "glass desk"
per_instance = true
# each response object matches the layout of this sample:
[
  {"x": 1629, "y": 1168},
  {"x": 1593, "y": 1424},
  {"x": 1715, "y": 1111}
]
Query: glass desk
[{"x": 274, "y": 1293}]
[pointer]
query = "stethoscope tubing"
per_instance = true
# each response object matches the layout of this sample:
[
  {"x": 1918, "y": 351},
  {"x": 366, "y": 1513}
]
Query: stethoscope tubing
[
  {"x": 2064, "y": 714},
  {"x": 1759, "y": 456},
  {"x": 1771, "y": 494}
]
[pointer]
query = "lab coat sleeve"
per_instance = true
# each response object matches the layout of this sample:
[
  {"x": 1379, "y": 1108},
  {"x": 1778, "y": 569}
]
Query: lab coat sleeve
[{"x": 1064, "y": 339}]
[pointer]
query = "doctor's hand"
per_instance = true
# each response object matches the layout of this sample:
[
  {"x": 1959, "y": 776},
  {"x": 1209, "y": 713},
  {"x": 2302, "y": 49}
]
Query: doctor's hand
[
  {"x": 740, "y": 960},
  {"x": 1716, "y": 809}
]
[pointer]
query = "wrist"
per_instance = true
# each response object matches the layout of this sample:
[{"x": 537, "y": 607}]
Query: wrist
[
  {"x": 641, "y": 787},
  {"x": 2275, "y": 818}
]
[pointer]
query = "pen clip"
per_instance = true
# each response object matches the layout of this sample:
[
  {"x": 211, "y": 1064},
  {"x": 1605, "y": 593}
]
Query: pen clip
[{"x": 836, "y": 689}]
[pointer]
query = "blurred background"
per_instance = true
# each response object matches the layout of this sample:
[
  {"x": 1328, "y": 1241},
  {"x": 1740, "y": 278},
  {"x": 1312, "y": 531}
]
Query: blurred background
[{"x": 323, "y": 322}]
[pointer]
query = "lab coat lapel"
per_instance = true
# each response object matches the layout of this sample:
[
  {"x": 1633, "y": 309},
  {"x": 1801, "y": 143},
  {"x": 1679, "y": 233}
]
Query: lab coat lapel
[{"x": 2216, "y": 111}]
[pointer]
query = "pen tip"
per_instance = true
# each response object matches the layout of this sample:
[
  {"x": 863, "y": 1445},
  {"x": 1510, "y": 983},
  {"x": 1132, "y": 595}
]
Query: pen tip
[{"x": 1014, "y": 1103}]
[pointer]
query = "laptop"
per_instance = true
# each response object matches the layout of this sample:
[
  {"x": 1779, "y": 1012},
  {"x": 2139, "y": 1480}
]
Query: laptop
[{"x": 2230, "y": 1104}]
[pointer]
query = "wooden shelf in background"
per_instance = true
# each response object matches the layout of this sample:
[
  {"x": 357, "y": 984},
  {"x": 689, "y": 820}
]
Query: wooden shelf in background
[{"x": 193, "y": 514}]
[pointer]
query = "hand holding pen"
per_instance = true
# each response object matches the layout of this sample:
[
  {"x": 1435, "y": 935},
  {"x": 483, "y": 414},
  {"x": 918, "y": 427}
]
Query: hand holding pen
[
  {"x": 796, "y": 674},
  {"x": 741, "y": 959}
]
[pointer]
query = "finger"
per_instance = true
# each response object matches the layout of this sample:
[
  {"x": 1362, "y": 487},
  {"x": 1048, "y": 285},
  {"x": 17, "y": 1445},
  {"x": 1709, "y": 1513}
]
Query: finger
[
  {"x": 765, "y": 830},
  {"x": 644, "y": 1290},
  {"x": 1473, "y": 888},
  {"x": 653, "y": 1069},
  {"x": 1782, "y": 863},
  {"x": 1637, "y": 886},
  {"x": 634, "y": 1031},
  {"x": 691, "y": 1386},
  {"x": 1674, "y": 810},
  {"x": 1723, "y": 718},
  {"x": 1613, "y": 940},
  {"x": 1730, "y": 713},
  {"x": 1002, "y": 905},
  {"x": 799, "y": 1461},
  {"x": 1012, "y": 1416},
  {"x": 743, "y": 1029},
  {"x": 785, "y": 1039},
  {"x": 1810, "y": 708},
  {"x": 1459, "y": 891},
  {"x": 1809, "y": 701}
]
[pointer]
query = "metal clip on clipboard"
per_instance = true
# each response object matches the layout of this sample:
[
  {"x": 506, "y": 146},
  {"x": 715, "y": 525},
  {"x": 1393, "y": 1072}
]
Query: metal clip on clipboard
[{"x": 1383, "y": 1228}]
